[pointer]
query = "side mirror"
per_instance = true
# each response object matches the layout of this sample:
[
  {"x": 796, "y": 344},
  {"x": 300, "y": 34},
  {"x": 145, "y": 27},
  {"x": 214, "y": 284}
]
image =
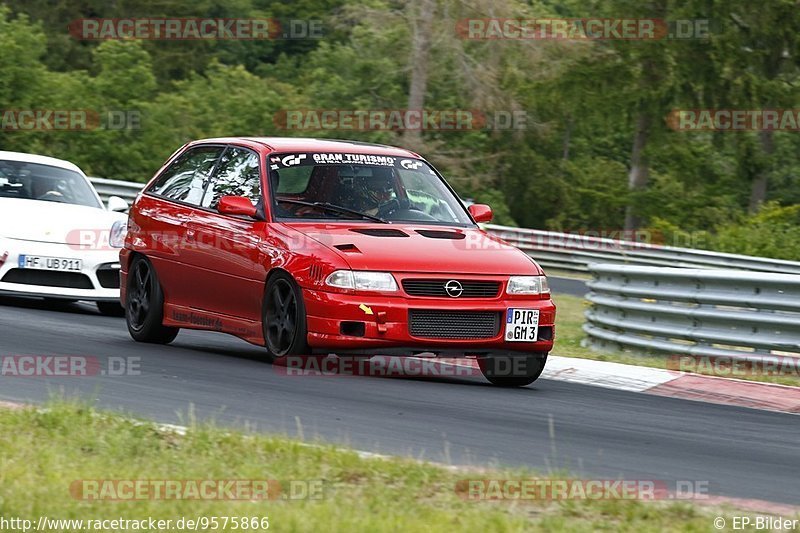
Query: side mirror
[
  {"x": 236, "y": 205},
  {"x": 480, "y": 212},
  {"x": 115, "y": 203}
]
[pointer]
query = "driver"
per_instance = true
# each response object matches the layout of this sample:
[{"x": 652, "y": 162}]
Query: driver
[
  {"x": 373, "y": 192},
  {"x": 45, "y": 189}
]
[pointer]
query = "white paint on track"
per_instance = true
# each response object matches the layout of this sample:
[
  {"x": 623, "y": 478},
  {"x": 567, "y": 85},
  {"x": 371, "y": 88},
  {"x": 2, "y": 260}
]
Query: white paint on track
[
  {"x": 663, "y": 382},
  {"x": 605, "y": 374}
]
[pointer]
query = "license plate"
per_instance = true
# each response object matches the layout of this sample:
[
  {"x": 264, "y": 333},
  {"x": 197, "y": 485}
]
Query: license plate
[
  {"x": 38, "y": 262},
  {"x": 522, "y": 325}
]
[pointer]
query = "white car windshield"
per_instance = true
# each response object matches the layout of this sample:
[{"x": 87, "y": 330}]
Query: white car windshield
[
  {"x": 32, "y": 181},
  {"x": 361, "y": 186}
]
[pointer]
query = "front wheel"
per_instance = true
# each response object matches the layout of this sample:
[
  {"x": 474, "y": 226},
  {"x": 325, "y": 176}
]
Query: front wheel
[
  {"x": 144, "y": 305},
  {"x": 512, "y": 370},
  {"x": 284, "y": 318}
]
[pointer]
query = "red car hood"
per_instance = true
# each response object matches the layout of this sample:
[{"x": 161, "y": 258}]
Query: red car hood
[{"x": 413, "y": 248}]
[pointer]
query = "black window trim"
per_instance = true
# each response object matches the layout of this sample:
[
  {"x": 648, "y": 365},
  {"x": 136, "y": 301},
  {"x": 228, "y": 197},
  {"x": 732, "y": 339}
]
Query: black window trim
[
  {"x": 260, "y": 180},
  {"x": 149, "y": 190},
  {"x": 213, "y": 171}
]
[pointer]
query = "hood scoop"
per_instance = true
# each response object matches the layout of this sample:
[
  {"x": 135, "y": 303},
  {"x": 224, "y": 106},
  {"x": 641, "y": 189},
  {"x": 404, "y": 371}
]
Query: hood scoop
[
  {"x": 349, "y": 248},
  {"x": 439, "y": 234},
  {"x": 380, "y": 232}
]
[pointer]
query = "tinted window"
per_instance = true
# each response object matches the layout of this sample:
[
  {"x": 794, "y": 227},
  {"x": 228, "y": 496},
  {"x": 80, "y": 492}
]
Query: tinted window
[
  {"x": 186, "y": 178},
  {"x": 237, "y": 175}
]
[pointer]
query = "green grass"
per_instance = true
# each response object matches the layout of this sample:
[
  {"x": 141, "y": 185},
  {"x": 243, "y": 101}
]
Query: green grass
[
  {"x": 569, "y": 335},
  {"x": 42, "y": 452}
]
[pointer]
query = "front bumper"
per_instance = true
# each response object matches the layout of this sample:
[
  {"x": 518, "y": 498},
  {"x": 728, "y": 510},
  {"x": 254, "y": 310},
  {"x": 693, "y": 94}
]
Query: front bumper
[
  {"x": 386, "y": 328},
  {"x": 94, "y": 282}
]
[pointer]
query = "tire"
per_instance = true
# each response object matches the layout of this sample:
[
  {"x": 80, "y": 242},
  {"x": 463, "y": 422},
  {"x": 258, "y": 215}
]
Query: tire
[
  {"x": 110, "y": 308},
  {"x": 144, "y": 305},
  {"x": 283, "y": 319},
  {"x": 512, "y": 371}
]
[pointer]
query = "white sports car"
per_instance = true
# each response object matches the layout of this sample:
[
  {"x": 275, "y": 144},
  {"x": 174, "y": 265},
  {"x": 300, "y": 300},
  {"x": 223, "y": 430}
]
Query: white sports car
[{"x": 57, "y": 240}]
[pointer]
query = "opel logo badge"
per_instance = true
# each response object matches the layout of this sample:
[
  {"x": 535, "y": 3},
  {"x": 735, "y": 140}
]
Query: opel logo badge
[{"x": 453, "y": 288}]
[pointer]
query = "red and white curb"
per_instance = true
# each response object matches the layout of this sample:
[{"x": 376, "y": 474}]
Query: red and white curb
[{"x": 662, "y": 382}]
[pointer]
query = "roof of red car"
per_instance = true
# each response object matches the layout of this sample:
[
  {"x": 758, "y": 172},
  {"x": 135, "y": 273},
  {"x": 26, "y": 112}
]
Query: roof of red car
[{"x": 300, "y": 144}]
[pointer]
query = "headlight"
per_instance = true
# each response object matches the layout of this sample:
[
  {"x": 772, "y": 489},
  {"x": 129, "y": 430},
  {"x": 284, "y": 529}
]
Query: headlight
[
  {"x": 118, "y": 232},
  {"x": 362, "y": 281},
  {"x": 527, "y": 285}
]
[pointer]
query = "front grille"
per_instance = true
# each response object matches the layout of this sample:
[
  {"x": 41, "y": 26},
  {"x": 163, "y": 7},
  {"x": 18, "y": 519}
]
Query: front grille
[
  {"x": 438, "y": 324},
  {"x": 108, "y": 277},
  {"x": 47, "y": 278},
  {"x": 435, "y": 288}
]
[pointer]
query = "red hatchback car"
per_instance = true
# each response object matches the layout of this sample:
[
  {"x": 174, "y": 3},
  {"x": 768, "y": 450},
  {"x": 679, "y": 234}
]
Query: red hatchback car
[{"x": 309, "y": 246}]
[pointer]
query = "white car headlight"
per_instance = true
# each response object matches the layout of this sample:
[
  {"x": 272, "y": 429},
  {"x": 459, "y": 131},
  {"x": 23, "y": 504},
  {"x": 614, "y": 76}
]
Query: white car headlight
[
  {"x": 118, "y": 232},
  {"x": 362, "y": 281},
  {"x": 527, "y": 285}
]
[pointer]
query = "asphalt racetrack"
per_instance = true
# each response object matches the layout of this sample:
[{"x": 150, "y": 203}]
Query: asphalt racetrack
[{"x": 596, "y": 432}]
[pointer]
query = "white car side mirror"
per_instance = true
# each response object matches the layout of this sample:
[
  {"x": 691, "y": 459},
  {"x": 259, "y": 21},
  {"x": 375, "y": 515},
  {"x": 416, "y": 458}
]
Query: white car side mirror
[{"x": 115, "y": 203}]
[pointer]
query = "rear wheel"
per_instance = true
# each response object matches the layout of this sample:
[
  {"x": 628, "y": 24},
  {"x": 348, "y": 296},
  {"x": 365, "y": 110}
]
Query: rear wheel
[
  {"x": 284, "y": 318},
  {"x": 110, "y": 308},
  {"x": 144, "y": 305},
  {"x": 512, "y": 370}
]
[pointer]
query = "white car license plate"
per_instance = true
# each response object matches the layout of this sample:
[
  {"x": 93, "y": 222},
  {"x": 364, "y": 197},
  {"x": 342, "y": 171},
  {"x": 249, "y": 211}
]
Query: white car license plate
[
  {"x": 522, "y": 325},
  {"x": 38, "y": 262}
]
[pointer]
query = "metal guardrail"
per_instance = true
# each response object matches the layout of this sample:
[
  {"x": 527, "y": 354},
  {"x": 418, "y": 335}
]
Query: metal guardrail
[
  {"x": 700, "y": 312},
  {"x": 124, "y": 189},
  {"x": 574, "y": 252},
  {"x": 568, "y": 251}
]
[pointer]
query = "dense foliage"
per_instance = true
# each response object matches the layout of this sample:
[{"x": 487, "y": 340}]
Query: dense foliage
[{"x": 595, "y": 150}]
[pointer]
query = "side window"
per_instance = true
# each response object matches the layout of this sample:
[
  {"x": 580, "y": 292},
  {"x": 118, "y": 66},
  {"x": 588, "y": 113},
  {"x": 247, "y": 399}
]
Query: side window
[
  {"x": 238, "y": 174},
  {"x": 186, "y": 178}
]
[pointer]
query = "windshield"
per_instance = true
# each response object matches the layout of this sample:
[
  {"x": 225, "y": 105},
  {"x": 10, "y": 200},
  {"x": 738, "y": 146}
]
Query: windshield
[
  {"x": 31, "y": 181},
  {"x": 361, "y": 187}
]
